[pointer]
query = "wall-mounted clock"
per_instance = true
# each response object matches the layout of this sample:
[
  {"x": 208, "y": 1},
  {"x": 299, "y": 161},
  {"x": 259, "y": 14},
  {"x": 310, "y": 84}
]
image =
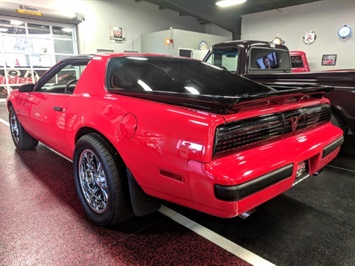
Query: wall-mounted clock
[
  {"x": 203, "y": 45},
  {"x": 344, "y": 31},
  {"x": 309, "y": 37}
]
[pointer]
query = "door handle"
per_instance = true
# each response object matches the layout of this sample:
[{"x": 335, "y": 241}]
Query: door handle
[{"x": 57, "y": 108}]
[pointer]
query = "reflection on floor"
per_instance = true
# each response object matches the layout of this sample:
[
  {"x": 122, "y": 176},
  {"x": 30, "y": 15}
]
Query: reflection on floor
[{"x": 42, "y": 223}]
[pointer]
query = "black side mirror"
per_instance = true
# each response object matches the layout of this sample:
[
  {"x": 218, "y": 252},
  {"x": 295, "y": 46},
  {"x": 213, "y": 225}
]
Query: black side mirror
[{"x": 26, "y": 88}]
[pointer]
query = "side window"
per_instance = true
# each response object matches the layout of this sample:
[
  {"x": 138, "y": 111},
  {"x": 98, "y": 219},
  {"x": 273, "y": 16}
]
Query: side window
[{"x": 63, "y": 80}]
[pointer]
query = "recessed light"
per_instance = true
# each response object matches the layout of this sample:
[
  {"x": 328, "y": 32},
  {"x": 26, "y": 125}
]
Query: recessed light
[{"x": 225, "y": 3}]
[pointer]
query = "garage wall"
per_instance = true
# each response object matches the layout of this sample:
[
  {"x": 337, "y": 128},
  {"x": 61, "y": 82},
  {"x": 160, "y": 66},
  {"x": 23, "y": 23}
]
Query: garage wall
[
  {"x": 216, "y": 30},
  {"x": 154, "y": 42},
  {"x": 324, "y": 17},
  {"x": 136, "y": 17}
]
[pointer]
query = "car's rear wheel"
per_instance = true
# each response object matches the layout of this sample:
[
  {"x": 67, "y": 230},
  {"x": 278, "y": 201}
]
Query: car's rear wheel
[
  {"x": 100, "y": 181},
  {"x": 21, "y": 139}
]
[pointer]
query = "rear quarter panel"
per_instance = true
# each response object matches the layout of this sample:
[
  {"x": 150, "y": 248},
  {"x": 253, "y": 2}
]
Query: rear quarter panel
[{"x": 151, "y": 137}]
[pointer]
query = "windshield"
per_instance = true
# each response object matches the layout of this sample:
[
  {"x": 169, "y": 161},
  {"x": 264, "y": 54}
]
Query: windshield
[
  {"x": 178, "y": 75},
  {"x": 226, "y": 58}
]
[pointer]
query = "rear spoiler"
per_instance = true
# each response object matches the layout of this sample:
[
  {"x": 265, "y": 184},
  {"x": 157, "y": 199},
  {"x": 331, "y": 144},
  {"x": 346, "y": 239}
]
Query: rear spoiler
[{"x": 226, "y": 104}]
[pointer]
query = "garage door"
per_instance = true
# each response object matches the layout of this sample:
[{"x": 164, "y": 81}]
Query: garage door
[{"x": 30, "y": 47}]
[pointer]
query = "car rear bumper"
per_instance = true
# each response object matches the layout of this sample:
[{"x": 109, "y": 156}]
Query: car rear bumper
[
  {"x": 234, "y": 193},
  {"x": 238, "y": 192},
  {"x": 235, "y": 184}
]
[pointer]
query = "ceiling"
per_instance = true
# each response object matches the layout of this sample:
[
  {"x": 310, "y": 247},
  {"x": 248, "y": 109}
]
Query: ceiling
[{"x": 205, "y": 11}]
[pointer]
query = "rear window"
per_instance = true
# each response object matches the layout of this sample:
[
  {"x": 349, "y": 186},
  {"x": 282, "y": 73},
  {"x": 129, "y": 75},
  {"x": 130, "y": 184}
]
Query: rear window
[
  {"x": 264, "y": 59},
  {"x": 296, "y": 61},
  {"x": 178, "y": 75}
]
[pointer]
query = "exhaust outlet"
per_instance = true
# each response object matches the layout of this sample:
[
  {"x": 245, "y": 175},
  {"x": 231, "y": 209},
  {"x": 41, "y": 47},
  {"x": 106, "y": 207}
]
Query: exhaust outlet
[
  {"x": 318, "y": 172},
  {"x": 246, "y": 214}
]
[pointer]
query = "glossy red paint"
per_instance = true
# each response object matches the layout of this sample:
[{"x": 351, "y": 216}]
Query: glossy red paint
[
  {"x": 159, "y": 141},
  {"x": 299, "y": 61}
]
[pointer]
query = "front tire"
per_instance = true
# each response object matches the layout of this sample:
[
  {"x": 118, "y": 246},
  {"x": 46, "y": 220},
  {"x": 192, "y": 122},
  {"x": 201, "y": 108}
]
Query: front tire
[
  {"x": 101, "y": 182},
  {"x": 21, "y": 139}
]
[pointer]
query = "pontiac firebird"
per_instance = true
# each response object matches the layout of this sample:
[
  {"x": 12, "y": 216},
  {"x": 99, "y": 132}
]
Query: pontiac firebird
[{"x": 141, "y": 128}]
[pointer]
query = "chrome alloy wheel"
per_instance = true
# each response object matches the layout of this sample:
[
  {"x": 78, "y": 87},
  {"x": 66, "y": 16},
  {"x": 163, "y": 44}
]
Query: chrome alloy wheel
[
  {"x": 93, "y": 181},
  {"x": 14, "y": 127}
]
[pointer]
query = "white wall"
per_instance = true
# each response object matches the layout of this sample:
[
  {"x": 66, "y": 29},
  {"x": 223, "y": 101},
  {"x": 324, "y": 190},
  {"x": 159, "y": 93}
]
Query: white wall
[
  {"x": 216, "y": 30},
  {"x": 324, "y": 17},
  {"x": 154, "y": 42},
  {"x": 137, "y": 17}
]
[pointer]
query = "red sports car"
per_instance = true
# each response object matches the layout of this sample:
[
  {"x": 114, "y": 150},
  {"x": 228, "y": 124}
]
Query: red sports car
[{"x": 140, "y": 128}]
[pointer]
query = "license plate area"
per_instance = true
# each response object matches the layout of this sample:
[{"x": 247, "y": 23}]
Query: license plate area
[{"x": 302, "y": 172}]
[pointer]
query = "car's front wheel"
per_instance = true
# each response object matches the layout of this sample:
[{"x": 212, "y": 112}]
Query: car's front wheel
[
  {"x": 21, "y": 139},
  {"x": 101, "y": 182}
]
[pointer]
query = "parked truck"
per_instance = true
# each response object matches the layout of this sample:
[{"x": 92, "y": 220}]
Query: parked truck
[
  {"x": 299, "y": 62},
  {"x": 270, "y": 64}
]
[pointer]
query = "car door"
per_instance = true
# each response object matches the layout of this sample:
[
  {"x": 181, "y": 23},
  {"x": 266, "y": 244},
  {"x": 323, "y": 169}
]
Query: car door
[{"x": 47, "y": 105}]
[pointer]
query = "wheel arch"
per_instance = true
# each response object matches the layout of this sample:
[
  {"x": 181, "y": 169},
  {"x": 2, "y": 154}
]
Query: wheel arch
[
  {"x": 9, "y": 104},
  {"x": 89, "y": 130},
  {"x": 340, "y": 119},
  {"x": 142, "y": 204}
]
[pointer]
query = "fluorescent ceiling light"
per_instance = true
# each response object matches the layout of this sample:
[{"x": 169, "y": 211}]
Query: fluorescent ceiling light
[{"x": 225, "y": 3}]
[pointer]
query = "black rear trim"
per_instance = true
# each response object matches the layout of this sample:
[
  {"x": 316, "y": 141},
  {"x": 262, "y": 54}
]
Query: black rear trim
[
  {"x": 332, "y": 147},
  {"x": 257, "y": 130},
  {"x": 234, "y": 193}
]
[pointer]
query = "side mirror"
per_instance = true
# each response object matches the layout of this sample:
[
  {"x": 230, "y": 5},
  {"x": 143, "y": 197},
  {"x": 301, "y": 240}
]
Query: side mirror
[{"x": 26, "y": 88}]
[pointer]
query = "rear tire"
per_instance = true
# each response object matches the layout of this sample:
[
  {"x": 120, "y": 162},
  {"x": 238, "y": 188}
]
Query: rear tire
[
  {"x": 101, "y": 182},
  {"x": 21, "y": 139}
]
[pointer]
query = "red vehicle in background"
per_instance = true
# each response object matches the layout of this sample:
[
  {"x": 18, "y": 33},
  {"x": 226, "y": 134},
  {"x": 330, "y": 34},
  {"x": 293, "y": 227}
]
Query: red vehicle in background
[{"x": 299, "y": 62}]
